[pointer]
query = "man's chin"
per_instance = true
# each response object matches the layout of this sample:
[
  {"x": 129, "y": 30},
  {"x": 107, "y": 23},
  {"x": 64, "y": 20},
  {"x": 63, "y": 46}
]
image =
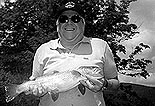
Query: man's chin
[{"x": 70, "y": 39}]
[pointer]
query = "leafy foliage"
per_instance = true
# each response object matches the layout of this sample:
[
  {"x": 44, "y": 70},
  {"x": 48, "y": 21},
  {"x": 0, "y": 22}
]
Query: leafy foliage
[
  {"x": 24, "y": 25},
  {"x": 133, "y": 65}
]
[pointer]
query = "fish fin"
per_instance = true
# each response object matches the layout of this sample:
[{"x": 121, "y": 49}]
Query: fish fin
[
  {"x": 82, "y": 88},
  {"x": 94, "y": 80},
  {"x": 76, "y": 73},
  {"x": 11, "y": 92},
  {"x": 54, "y": 95}
]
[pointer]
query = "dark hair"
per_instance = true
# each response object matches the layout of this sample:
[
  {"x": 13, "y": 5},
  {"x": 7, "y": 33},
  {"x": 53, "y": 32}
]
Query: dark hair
[{"x": 75, "y": 7}]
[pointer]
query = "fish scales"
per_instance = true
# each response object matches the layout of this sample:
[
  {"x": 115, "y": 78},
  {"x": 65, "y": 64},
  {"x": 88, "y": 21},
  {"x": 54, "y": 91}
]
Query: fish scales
[{"x": 59, "y": 81}]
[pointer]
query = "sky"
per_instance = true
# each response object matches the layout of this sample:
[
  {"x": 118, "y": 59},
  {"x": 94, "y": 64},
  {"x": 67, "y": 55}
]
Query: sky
[{"x": 142, "y": 13}]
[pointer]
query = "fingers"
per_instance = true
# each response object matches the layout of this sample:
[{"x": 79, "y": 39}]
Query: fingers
[
  {"x": 28, "y": 92},
  {"x": 37, "y": 91},
  {"x": 83, "y": 82},
  {"x": 95, "y": 81},
  {"x": 93, "y": 85},
  {"x": 87, "y": 83},
  {"x": 40, "y": 90},
  {"x": 90, "y": 84}
]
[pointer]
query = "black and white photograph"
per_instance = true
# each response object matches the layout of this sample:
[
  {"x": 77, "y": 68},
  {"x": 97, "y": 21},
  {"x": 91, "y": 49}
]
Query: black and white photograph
[{"x": 77, "y": 53}]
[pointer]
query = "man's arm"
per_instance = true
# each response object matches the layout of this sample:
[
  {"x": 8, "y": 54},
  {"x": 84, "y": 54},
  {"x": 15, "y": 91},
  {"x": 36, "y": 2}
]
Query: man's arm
[
  {"x": 37, "y": 69},
  {"x": 111, "y": 84},
  {"x": 110, "y": 78},
  {"x": 110, "y": 70}
]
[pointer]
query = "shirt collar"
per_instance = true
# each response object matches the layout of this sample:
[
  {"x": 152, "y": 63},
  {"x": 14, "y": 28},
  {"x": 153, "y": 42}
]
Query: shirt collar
[
  {"x": 58, "y": 45},
  {"x": 86, "y": 39}
]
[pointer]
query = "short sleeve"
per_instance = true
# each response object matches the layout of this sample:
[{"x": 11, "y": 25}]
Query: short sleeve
[
  {"x": 42, "y": 55},
  {"x": 37, "y": 69},
  {"x": 110, "y": 69}
]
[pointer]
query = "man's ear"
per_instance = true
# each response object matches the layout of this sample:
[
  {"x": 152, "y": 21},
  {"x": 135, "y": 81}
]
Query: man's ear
[
  {"x": 57, "y": 22},
  {"x": 83, "y": 21}
]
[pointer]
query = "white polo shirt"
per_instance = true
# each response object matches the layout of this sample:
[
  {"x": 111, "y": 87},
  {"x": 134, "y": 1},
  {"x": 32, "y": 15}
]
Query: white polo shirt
[{"x": 53, "y": 56}]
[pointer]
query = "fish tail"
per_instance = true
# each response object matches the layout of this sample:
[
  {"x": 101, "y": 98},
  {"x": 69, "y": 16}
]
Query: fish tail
[{"x": 11, "y": 92}]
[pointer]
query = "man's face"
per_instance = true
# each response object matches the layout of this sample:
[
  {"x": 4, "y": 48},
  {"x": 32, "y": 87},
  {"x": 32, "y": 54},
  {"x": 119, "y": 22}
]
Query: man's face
[{"x": 70, "y": 26}]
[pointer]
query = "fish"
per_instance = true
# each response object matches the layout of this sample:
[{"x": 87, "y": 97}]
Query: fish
[
  {"x": 90, "y": 71},
  {"x": 56, "y": 83}
]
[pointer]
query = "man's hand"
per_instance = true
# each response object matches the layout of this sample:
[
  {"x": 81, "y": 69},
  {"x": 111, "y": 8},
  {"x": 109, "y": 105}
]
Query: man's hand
[
  {"x": 94, "y": 85},
  {"x": 36, "y": 90}
]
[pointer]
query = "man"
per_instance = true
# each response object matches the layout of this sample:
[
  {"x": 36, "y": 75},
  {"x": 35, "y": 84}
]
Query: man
[{"x": 72, "y": 43}]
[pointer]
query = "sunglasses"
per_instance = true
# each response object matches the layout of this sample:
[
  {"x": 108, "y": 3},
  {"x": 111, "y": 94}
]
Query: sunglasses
[{"x": 65, "y": 18}]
